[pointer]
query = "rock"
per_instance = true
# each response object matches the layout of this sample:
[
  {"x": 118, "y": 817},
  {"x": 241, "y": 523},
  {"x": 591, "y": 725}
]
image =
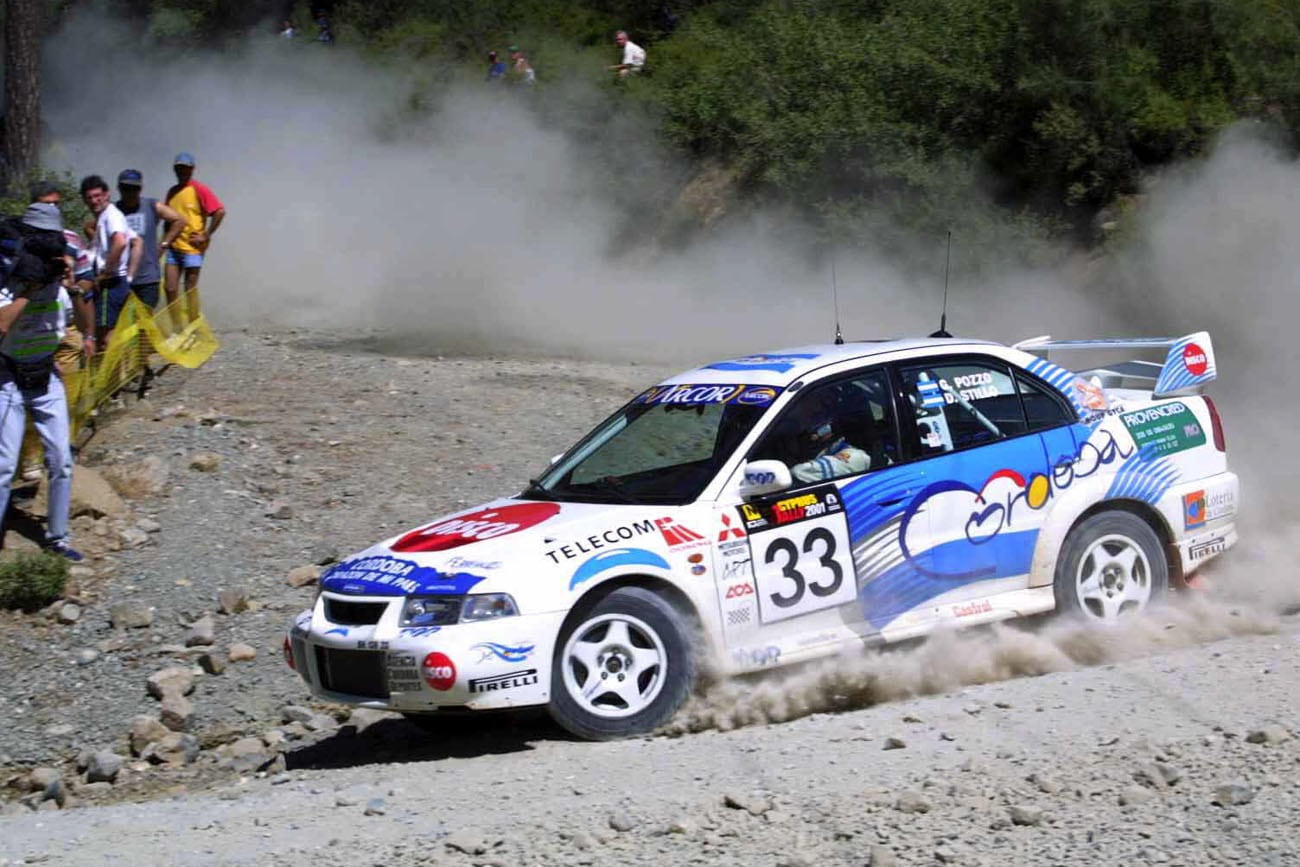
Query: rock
[
  {"x": 86, "y": 655},
  {"x": 174, "y": 748},
  {"x": 145, "y": 730},
  {"x": 321, "y": 723},
  {"x": 1233, "y": 794},
  {"x": 1133, "y": 795},
  {"x": 211, "y": 663},
  {"x": 1270, "y": 734},
  {"x": 130, "y": 615},
  {"x": 468, "y": 841},
  {"x": 376, "y": 807},
  {"x": 148, "y": 525},
  {"x": 292, "y": 713},
  {"x": 240, "y": 652},
  {"x": 325, "y": 555},
  {"x": 1150, "y": 775},
  {"x": 246, "y": 747},
  {"x": 69, "y": 613},
  {"x": 38, "y": 779},
  {"x": 755, "y": 805},
  {"x": 219, "y": 734},
  {"x": 302, "y": 576},
  {"x": 202, "y": 632},
  {"x": 912, "y": 802},
  {"x": 60, "y": 730},
  {"x": 622, "y": 821},
  {"x": 363, "y": 718},
  {"x": 205, "y": 462},
  {"x": 895, "y": 744},
  {"x": 103, "y": 767},
  {"x": 280, "y": 511},
  {"x": 57, "y": 792},
  {"x": 232, "y": 601},
  {"x": 1045, "y": 784},
  {"x": 146, "y": 478},
  {"x": 879, "y": 856},
  {"x": 176, "y": 713},
  {"x": 173, "y": 680},
  {"x": 1171, "y": 774},
  {"x": 133, "y": 537},
  {"x": 1025, "y": 815},
  {"x": 344, "y": 801},
  {"x": 91, "y": 495}
]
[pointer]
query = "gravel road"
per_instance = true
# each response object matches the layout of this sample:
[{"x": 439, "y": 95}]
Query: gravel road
[{"x": 1168, "y": 743}]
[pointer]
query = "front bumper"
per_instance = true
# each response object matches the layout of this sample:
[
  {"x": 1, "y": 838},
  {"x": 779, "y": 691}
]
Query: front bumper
[{"x": 483, "y": 665}]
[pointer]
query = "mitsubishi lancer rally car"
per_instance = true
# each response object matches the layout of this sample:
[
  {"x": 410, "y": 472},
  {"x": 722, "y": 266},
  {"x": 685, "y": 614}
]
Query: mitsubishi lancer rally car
[{"x": 771, "y": 509}]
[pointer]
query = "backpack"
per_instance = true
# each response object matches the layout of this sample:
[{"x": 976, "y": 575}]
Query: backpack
[{"x": 29, "y": 255}]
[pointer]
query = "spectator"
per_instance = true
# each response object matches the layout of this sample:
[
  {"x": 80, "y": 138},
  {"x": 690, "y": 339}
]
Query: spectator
[
  {"x": 633, "y": 55},
  {"x": 34, "y": 308},
  {"x": 496, "y": 67},
  {"x": 521, "y": 71},
  {"x": 111, "y": 256},
  {"x": 142, "y": 215},
  {"x": 201, "y": 214},
  {"x": 79, "y": 337},
  {"x": 287, "y": 30},
  {"x": 325, "y": 36}
]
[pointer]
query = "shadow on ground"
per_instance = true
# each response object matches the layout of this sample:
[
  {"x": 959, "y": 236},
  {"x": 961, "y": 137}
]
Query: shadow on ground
[{"x": 433, "y": 738}]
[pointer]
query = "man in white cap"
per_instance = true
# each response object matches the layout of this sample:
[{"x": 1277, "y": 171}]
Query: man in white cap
[{"x": 34, "y": 309}]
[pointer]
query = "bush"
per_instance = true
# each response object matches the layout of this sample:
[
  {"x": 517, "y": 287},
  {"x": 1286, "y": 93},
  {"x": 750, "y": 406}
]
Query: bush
[{"x": 31, "y": 581}]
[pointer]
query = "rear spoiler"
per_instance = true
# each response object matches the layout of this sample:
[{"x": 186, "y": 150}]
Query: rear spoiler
[{"x": 1189, "y": 361}]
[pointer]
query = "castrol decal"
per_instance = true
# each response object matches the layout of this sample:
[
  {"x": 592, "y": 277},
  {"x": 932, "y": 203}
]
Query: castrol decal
[
  {"x": 476, "y": 527},
  {"x": 1194, "y": 358}
]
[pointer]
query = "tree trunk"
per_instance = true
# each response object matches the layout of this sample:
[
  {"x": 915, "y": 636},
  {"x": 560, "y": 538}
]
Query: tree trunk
[{"x": 22, "y": 108}]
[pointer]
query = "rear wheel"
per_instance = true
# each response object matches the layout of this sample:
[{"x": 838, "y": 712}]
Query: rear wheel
[
  {"x": 1112, "y": 565},
  {"x": 624, "y": 668}
]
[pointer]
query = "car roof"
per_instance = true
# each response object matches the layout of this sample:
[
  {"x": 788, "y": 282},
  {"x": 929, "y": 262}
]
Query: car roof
[{"x": 783, "y": 366}]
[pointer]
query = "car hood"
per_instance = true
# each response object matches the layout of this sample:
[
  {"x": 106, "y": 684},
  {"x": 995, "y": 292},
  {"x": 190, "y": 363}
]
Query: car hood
[{"x": 481, "y": 548}]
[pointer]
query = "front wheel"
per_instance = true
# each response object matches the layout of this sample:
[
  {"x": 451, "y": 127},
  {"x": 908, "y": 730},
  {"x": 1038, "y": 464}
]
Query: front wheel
[
  {"x": 624, "y": 668},
  {"x": 1112, "y": 565}
]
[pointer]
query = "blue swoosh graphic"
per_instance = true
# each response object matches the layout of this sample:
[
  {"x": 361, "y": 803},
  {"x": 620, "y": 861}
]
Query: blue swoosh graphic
[{"x": 613, "y": 558}]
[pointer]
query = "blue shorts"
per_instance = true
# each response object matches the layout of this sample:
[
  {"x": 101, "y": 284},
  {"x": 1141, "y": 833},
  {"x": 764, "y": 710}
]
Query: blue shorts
[
  {"x": 110, "y": 298},
  {"x": 184, "y": 260}
]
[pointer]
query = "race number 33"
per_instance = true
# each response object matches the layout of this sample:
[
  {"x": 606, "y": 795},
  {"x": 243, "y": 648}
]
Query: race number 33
[{"x": 803, "y": 567}]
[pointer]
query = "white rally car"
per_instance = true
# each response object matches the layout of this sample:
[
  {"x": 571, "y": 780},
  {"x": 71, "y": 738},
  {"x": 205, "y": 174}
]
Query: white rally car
[{"x": 776, "y": 508}]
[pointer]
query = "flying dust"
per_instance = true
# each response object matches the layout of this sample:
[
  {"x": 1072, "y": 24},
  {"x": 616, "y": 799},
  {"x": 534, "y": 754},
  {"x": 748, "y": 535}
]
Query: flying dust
[{"x": 477, "y": 227}]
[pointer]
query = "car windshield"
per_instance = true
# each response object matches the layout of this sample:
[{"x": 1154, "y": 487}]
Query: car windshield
[{"x": 662, "y": 448}]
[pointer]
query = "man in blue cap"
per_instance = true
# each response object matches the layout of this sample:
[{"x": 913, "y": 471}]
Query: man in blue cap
[
  {"x": 201, "y": 213},
  {"x": 142, "y": 215}
]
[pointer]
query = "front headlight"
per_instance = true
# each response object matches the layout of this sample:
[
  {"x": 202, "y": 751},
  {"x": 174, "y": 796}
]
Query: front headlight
[
  {"x": 487, "y": 606},
  {"x": 431, "y": 610}
]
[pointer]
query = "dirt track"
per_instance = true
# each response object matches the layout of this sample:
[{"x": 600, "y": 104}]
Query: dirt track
[{"x": 356, "y": 444}]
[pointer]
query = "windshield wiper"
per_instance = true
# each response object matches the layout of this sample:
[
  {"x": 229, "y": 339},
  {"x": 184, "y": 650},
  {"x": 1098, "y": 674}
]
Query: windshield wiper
[
  {"x": 615, "y": 487},
  {"x": 535, "y": 491}
]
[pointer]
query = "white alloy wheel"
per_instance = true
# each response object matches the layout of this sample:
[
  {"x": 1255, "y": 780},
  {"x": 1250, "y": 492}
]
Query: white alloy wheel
[
  {"x": 1113, "y": 578},
  {"x": 614, "y": 665}
]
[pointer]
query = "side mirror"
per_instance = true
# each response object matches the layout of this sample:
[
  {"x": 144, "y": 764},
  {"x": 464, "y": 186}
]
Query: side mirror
[
  {"x": 556, "y": 458},
  {"x": 764, "y": 477}
]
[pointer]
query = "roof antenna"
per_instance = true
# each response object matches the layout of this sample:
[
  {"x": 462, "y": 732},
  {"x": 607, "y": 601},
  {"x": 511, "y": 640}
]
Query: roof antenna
[
  {"x": 835, "y": 300},
  {"x": 943, "y": 317}
]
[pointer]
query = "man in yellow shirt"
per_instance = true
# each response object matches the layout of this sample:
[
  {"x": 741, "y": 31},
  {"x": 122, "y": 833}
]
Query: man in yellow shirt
[{"x": 201, "y": 212}]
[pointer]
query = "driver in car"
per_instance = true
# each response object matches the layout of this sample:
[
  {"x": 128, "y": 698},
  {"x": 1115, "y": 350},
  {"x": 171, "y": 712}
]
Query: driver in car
[{"x": 830, "y": 455}]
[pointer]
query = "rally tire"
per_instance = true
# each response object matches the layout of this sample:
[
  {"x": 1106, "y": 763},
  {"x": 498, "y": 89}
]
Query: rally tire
[
  {"x": 1111, "y": 566},
  {"x": 623, "y": 667}
]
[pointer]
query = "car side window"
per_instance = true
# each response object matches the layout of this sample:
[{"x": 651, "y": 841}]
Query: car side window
[
  {"x": 1043, "y": 408},
  {"x": 962, "y": 404},
  {"x": 835, "y": 429}
]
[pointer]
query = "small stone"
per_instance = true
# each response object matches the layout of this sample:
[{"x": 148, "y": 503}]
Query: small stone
[
  {"x": 945, "y": 855},
  {"x": 376, "y": 807},
  {"x": 60, "y": 730},
  {"x": 1171, "y": 774},
  {"x": 174, "y": 748},
  {"x": 130, "y": 615},
  {"x": 880, "y": 856},
  {"x": 86, "y": 655},
  {"x": 176, "y": 712},
  {"x": 69, "y": 613},
  {"x": 148, "y": 525},
  {"x": 321, "y": 723},
  {"x": 363, "y": 718},
  {"x": 1233, "y": 794},
  {"x": 292, "y": 713},
  {"x": 912, "y": 802},
  {"x": 895, "y": 744},
  {"x": 1150, "y": 775},
  {"x": 468, "y": 841},
  {"x": 103, "y": 767},
  {"x": 1025, "y": 815},
  {"x": 57, "y": 791},
  {"x": 211, "y": 663},
  {"x": 173, "y": 680},
  {"x": 1270, "y": 734},
  {"x": 280, "y": 511},
  {"x": 145, "y": 730},
  {"x": 201, "y": 633},
  {"x": 344, "y": 801},
  {"x": 245, "y": 747},
  {"x": 622, "y": 822},
  {"x": 38, "y": 779},
  {"x": 302, "y": 576},
  {"x": 1045, "y": 784},
  {"x": 205, "y": 462},
  {"x": 325, "y": 555},
  {"x": 1133, "y": 795},
  {"x": 232, "y": 601},
  {"x": 133, "y": 537},
  {"x": 240, "y": 652},
  {"x": 755, "y": 805}
]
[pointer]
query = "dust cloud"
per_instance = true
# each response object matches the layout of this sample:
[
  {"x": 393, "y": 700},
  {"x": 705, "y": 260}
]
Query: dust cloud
[{"x": 476, "y": 227}]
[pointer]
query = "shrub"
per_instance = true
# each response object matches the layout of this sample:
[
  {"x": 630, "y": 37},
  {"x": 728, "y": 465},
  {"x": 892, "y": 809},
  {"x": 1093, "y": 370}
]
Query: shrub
[{"x": 31, "y": 581}]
